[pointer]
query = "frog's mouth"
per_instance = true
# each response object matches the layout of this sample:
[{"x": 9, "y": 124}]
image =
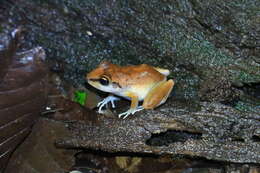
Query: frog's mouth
[
  {"x": 111, "y": 87},
  {"x": 94, "y": 82}
]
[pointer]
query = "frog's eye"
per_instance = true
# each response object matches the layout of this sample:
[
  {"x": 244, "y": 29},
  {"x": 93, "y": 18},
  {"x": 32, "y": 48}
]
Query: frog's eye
[{"x": 104, "y": 81}]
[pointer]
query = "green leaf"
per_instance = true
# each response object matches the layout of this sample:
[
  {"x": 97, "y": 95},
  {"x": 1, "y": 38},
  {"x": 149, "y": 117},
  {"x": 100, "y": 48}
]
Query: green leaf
[{"x": 80, "y": 97}]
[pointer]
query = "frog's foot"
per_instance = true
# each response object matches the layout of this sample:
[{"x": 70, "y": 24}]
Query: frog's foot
[
  {"x": 130, "y": 111},
  {"x": 104, "y": 102}
]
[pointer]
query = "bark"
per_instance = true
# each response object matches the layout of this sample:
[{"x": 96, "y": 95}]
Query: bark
[{"x": 210, "y": 130}]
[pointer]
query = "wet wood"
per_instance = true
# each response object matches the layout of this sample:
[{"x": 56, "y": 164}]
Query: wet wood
[{"x": 23, "y": 87}]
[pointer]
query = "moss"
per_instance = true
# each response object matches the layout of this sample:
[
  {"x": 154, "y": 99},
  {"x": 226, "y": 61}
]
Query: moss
[
  {"x": 247, "y": 107},
  {"x": 202, "y": 53}
]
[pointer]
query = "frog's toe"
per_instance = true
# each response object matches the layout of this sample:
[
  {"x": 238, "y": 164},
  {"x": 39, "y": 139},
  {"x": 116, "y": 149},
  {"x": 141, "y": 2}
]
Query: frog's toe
[
  {"x": 104, "y": 102},
  {"x": 125, "y": 114},
  {"x": 100, "y": 108},
  {"x": 113, "y": 103},
  {"x": 101, "y": 105},
  {"x": 130, "y": 111},
  {"x": 139, "y": 108}
]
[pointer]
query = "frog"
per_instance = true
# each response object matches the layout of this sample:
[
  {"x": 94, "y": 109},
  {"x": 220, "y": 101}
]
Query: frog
[{"x": 137, "y": 83}]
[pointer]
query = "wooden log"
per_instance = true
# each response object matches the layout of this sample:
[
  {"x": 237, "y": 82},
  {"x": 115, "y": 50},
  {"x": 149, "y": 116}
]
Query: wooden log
[{"x": 210, "y": 130}]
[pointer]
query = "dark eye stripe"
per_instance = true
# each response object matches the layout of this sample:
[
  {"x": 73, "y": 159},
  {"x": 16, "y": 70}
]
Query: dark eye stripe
[
  {"x": 117, "y": 84},
  {"x": 94, "y": 80}
]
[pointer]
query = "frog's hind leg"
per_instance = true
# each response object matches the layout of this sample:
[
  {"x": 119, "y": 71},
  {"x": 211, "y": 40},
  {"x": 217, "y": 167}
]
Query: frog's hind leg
[
  {"x": 158, "y": 94},
  {"x": 163, "y": 71}
]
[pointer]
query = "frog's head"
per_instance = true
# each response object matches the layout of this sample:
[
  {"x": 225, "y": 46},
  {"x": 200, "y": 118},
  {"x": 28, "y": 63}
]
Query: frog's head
[{"x": 100, "y": 77}]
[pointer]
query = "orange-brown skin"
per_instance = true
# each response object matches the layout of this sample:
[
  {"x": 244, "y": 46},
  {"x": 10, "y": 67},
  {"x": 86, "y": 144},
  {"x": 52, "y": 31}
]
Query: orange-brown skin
[
  {"x": 127, "y": 75},
  {"x": 139, "y": 82}
]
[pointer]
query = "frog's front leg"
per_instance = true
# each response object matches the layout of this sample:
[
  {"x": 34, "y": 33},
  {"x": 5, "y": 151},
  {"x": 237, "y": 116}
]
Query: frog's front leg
[
  {"x": 134, "y": 105},
  {"x": 104, "y": 102},
  {"x": 158, "y": 94}
]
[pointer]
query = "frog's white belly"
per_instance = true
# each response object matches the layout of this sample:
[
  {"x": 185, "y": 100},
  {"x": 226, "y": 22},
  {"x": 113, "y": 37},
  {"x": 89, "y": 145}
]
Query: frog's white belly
[{"x": 140, "y": 92}]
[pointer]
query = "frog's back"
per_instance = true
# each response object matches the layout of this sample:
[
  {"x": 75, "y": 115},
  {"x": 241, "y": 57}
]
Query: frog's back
[
  {"x": 140, "y": 79},
  {"x": 141, "y": 74}
]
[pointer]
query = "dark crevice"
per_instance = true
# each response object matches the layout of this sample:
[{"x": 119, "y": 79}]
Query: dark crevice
[
  {"x": 207, "y": 27},
  {"x": 256, "y": 138},
  {"x": 249, "y": 91},
  {"x": 171, "y": 136},
  {"x": 252, "y": 89},
  {"x": 238, "y": 140},
  {"x": 231, "y": 102},
  {"x": 113, "y": 154}
]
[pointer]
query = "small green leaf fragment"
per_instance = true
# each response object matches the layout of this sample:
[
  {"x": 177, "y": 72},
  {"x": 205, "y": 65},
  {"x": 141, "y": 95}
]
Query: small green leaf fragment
[{"x": 80, "y": 97}]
